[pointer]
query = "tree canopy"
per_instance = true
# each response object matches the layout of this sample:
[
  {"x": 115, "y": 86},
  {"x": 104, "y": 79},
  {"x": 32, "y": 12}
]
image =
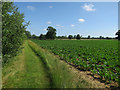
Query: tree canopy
[
  {"x": 78, "y": 37},
  {"x": 28, "y": 34},
  {"x": 70, "y": 36},
  {"x": 34, "y": 36},
  {"x": 51, "y": 34},
  {"x": 118, "y": 33},
  {"x": 88, "y": 37},
  {"x": 42, "y": 37}
]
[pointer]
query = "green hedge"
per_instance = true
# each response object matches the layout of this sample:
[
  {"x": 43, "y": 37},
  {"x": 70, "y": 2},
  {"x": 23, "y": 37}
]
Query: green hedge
[{"x": 13, "y": 30}]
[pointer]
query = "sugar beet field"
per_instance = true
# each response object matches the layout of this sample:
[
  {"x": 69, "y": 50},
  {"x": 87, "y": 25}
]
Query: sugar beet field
[{"x": 98, "y": 56}]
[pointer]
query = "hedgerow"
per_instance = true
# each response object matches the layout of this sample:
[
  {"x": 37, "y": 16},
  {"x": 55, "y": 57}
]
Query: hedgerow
[{"x": 13, "y": 30}]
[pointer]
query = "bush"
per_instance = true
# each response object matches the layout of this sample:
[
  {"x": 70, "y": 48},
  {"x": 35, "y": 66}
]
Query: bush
[{"x": 70, "y": 36}]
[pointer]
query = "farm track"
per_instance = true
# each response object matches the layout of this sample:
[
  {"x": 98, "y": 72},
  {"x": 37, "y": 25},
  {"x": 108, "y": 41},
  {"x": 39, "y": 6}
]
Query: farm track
[
  {"x": 30, "y": 72},
  {"x": 38, "y": 68}
]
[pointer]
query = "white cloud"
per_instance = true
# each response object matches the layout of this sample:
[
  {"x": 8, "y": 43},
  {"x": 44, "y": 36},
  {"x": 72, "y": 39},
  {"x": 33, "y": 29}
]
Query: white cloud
[
  {"x": 59, "y": 25},
  {"x": 49, "y": 22},
  {"x": 50, "y": 6},
  {"x": 81, "y": 20},
  {"x": 88, "y": 7},
  {"x": 31, "y": 8},
  {"x": 45, "y": 29},
  {"x": 72, "y": 25}
]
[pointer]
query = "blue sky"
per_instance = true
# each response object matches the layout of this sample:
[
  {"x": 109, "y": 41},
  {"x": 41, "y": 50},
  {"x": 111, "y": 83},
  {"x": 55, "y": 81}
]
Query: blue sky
[{"x": 71, "y": 18}]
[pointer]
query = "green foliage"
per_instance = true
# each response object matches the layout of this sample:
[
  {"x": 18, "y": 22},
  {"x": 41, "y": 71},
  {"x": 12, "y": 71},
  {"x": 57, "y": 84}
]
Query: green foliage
[
  {"x": 13, "y": 30},
  {"x": 61, "y": 37},
  {"x": 28, "y": 34},
  {"x": 42, "y": 37},
  {"x": 34, "y": 36},
  {"x": 118, "y": 33},
  {"x": 98, "y": 56},
  {"x": 0, "y": 29},
  {"x": 100, "y": 37},
  {"x": 88, "y": 37},
  {"x": 74, "y": 36},
  {"x": 78, "y": 37},
  {"x": 51, "y": 34},
  {"x": 70, "y": 36}
]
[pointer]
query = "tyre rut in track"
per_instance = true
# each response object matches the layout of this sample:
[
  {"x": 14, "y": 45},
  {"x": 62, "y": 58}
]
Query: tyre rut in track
[{"x": 47, "y": 69}]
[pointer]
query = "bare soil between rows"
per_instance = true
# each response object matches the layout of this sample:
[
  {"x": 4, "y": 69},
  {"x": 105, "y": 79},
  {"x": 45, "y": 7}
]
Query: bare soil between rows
[{"x": 88, "y": 76}]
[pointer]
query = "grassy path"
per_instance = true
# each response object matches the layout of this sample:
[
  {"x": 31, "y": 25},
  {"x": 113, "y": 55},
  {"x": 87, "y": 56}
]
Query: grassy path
[{"x": 27, "y": 71}]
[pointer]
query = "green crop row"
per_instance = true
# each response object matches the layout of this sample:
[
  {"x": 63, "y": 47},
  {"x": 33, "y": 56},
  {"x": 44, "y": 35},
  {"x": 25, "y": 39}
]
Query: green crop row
[{"x": 97, "y": 56}]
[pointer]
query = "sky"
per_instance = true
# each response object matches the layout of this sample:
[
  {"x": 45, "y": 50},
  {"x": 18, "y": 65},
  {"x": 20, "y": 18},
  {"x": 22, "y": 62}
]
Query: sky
[{"x": 71, "y": 18}]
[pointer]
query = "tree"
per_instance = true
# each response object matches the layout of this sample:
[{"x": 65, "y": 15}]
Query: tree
[
  {"x": 118, "y": 33},
  {"x": 61, "y": 37},
  {"x": 88, "y": 36},
  {"x": 51, "y": 34},
  {"x": 70, "y": 36},
  {"x": 74, "y": 36},
  {"x": 42, "y": 37},
  {"x": 28, "y": 34},
  {"x": 13, "y": 30},
  {"x": 34, "y": 36},
  {"x": 108, "y": 38},
  {"x": 78, "y": 37},
  {"x": 101, "y": 37}
]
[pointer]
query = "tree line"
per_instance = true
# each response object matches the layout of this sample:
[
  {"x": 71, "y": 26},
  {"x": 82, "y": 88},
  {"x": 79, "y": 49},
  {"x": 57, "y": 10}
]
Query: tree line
[{"x": 51, "y": 34}]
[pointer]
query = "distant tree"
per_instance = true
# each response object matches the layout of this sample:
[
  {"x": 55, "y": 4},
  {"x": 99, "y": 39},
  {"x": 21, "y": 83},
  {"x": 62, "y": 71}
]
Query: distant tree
[
  {"x": 108, "y": 38},
  {"x": 101, "y": 37},
  {"x": 83, "y": 37},
  {"x": 93, "y": 37},
  {"x": 51, "y": 34},
  {"x": 64, "y": 37},
  {"x": 61, "y": 37},
  {"x": 88, "y": 36},
  {"x": 34, "y": 36},
  {"x": 118, "y": 33},
  {"x": 28, "y": 34},
  {"x": 42, "y": 37},
  {"x": 74, "y": 36},
  {"x": 70, "y": 36},
  {"x": 78, "y": 37}
]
